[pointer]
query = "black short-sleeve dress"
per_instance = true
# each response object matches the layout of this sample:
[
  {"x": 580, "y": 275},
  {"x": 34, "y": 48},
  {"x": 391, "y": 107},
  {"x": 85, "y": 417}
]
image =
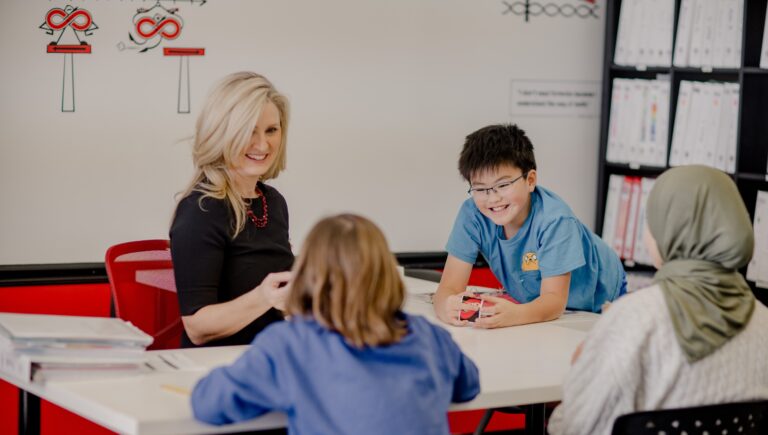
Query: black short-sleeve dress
[{"x": 211, "y": 267}]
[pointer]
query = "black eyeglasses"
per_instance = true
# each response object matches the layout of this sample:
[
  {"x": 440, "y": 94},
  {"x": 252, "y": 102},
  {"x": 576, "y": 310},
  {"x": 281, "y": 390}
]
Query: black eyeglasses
[{"x": 500, "y": 188}]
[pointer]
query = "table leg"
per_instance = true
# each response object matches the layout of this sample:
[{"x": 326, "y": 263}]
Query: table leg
[
  {"x": 29, "y": 413},
  {"x": 484, "y": 422},
  {"x": 534, "y": 419}
]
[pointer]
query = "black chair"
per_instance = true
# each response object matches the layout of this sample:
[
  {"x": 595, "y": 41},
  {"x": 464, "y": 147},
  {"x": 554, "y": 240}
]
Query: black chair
[
  {"x": 425, "y": 274},
  {"x": 741, "y": 418}
]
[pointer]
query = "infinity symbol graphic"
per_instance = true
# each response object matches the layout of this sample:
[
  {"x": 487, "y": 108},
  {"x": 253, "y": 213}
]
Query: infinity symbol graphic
[
  {"x": 79, "y": 19},
  {"x": 147, "y": 27}
]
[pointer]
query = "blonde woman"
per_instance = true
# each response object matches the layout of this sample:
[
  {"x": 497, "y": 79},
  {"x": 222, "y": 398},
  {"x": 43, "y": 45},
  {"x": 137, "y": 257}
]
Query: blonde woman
[
  {"x": 349, "y": 361},
  {"x": 229, "y": 236}
]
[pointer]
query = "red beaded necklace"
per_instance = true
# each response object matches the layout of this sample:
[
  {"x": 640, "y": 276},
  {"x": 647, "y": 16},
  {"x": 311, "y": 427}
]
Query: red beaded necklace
[{"x": 260, "y": 222}]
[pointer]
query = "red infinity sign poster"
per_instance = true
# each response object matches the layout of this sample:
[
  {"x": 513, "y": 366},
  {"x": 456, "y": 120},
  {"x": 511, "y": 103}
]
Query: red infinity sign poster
[
  {"x": 69, "y": 25},
  {"x": 153, "y": 27}
]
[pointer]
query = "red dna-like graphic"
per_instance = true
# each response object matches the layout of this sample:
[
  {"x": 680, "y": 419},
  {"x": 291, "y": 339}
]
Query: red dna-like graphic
[
  {"x": 79, "y": 19},
  {"x": 161, "y": 27}
]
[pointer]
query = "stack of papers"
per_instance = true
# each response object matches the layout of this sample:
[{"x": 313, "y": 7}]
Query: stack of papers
[
  {"x": 644, "y": 36},
  {"x": 40, "y": 347},
  {"x": 705, "y": 125},
  {"x": 757, "y": 270},
  {"x": 709, "y": 33},
  {"x": 638, "y": 124},
  {"x": 625, "y": 217}
]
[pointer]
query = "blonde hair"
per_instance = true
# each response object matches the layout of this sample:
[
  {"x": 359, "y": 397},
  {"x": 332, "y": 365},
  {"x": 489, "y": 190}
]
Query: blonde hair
[
  {"x": 347, "y": 279},
  {"x": 223, "y": 132}
]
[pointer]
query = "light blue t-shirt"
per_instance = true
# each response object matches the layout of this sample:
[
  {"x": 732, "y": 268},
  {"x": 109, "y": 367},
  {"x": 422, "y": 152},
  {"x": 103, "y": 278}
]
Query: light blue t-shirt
[{"x": 551, "y": 242}]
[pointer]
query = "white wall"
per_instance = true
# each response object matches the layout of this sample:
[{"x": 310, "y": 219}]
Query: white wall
[{"x": 383, "y": 93}]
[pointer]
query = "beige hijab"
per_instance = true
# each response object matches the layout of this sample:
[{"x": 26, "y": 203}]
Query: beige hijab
[{"x": 704, "y": 235}]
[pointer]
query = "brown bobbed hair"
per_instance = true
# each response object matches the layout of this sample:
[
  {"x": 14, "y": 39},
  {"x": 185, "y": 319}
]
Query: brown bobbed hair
[{"x": 346, "y": 278}]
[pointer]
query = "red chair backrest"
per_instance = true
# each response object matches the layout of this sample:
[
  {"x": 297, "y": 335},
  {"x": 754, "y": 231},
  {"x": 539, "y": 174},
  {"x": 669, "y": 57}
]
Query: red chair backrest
[
  {"x": 483, "y": 277},
  {"x": 152, "y": 309}
]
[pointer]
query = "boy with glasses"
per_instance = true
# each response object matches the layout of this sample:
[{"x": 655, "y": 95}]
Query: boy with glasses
[{"x": 542, "y": 254}]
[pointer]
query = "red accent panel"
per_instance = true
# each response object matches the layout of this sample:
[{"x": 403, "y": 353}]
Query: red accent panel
[
  {"x": 9, "y": 404},
  {"x": 72, "y": 300},
  {"x": 75, "y": 300},
  {"x": 59, "y": 421},
  {"x": 79, "y": 49},
  {"x": 171, "y": 51},
  {"x": 465, "y": 422}
]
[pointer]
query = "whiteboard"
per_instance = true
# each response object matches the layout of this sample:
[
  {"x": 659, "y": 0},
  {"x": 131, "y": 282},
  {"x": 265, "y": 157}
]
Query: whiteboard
[{"x": 382, "y": 93}]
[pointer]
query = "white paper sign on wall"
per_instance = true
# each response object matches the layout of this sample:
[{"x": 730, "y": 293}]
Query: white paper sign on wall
[{"x": 554, "y": 98}]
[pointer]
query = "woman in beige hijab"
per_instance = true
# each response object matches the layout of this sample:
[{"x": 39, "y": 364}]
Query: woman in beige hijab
[{"x": 696, "y": 336}]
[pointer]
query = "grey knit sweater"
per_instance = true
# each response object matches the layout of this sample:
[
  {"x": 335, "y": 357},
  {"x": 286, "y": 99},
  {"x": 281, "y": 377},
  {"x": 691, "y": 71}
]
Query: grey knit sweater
[{"x": 631, "y": 362}]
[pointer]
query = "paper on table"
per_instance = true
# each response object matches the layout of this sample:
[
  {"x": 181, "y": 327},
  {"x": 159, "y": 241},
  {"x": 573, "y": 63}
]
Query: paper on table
[
  {"x": 171, "y": 361},
  {"x": 184, "y": 391}
]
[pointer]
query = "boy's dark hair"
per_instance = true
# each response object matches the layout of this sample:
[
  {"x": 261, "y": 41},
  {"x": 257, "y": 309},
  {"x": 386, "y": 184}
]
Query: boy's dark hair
[{"x": 493, "y": 146}]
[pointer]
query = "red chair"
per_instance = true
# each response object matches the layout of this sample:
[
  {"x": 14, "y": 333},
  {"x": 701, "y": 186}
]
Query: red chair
[{"x": 141, "y": 279}]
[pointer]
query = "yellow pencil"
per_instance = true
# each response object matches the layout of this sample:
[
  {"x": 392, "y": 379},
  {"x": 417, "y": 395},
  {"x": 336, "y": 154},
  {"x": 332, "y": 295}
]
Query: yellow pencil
[{"x": 176, "y": 389}]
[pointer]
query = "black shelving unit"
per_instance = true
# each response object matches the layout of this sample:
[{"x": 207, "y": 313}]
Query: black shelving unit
[{"x": 752, "y": 130}]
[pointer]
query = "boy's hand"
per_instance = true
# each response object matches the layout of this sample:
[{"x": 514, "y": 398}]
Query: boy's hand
[
  {"x": 500, "y": 314},
  {"x": 450, "y": 310}
]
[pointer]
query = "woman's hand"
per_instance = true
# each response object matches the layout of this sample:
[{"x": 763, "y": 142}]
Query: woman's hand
[{"x": 275, "y": 289}]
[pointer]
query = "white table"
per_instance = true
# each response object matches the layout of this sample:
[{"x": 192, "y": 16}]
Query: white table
[
  {"x": 140, "y": 404},
  {"x": 518, "y": 365}
]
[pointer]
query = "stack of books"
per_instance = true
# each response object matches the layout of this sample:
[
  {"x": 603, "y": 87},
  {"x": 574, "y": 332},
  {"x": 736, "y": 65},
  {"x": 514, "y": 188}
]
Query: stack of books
[
  {"x": 42, "y": 347},
  {"x": 709, "y": 33},
  {"x": 644, "y": 36},
  {"x": 625, "y": 218},
  {"x": 637, "y": 131},
  {"x": 706, "y": 121}
]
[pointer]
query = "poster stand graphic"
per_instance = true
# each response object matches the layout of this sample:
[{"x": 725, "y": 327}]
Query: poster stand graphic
[
  {"x": 152, "y": 27},
  {"x": 183, "y": 103},
  {"x": 61, "y": 20}
]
